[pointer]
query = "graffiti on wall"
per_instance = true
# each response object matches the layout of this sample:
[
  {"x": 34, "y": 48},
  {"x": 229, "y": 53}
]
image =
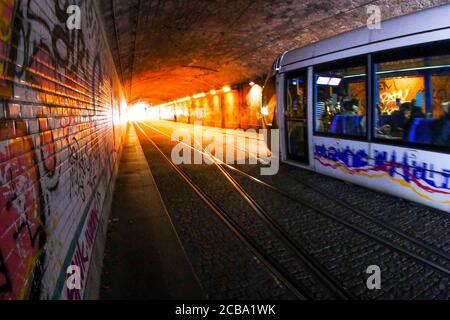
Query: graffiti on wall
[
  {"x": 5, "y": 281},
  {"x": 82, "y": 253},
  {"x": 58, "y": 143}
]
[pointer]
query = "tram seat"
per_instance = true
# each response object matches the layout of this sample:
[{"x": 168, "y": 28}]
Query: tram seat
[
  {"x": 420, "y": 131},
  {"x": 383, "y": 120},
  {"x": 347, "y": 124}
]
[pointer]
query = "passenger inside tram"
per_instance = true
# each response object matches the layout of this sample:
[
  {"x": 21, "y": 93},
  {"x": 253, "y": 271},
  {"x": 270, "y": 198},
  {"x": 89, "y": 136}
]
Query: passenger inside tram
[
  {"x": 411, "y": 97},
  {"x": 414, "y": 113},
  {"x": 399, "y": 123},
  {"x": 341, "y": 100},
  {"x": 440, "y": 130},
  {"x": 412, "y": 100},
  {"x": 396, "y": 123}
]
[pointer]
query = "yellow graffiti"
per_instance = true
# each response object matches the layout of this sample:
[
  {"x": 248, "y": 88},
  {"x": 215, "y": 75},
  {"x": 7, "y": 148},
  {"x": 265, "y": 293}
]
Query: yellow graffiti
[{"x": 391, "y": 97}]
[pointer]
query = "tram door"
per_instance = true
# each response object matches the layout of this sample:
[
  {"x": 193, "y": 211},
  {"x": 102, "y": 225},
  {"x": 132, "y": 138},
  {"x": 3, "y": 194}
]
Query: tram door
[{"x": 296, "y": 118}]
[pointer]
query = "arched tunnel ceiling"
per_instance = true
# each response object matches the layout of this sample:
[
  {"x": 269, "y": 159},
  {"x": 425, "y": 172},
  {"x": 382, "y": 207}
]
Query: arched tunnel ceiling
[{"x": 168, "y": 49}]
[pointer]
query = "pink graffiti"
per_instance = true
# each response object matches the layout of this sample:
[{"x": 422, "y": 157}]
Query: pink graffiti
[
  {"x": 82, "y": 254},
  {"x": 20, "y": 217}
]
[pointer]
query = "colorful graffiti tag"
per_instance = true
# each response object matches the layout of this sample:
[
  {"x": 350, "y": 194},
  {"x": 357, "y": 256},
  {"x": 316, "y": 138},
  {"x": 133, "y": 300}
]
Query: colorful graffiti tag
[
  {"x": 423, "y": 178},
  {"x": 59, "y": 95}
]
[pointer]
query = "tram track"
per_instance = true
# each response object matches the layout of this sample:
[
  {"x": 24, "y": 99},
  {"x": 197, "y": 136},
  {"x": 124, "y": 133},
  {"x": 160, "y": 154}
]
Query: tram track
[
  {"x": 420, "y": 243},
  {"x": 417, "y": 242},
  {"x": 444, "y": 270},
  {"x": 276, "y": 268},
  {"x": 278, "y": 230}
]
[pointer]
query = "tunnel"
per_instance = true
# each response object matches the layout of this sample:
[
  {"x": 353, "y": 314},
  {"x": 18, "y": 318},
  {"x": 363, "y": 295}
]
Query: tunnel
[{"x": 224, "y": 150}]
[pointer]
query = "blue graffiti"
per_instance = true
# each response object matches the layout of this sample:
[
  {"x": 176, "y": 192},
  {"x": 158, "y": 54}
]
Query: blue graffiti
[
  {"x": 392, "y": 164},
  {"x": 352, "y": 159},
  {"x": 446, "y": 176}
]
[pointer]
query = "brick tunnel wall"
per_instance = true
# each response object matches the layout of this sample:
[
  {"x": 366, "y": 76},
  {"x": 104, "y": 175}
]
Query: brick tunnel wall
[{"x": 61, "y": 130}]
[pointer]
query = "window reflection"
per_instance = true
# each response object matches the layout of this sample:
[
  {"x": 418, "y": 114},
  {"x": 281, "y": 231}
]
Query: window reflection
[
  {"x": 296, "y": 117},
  {"x": 412, "y": 102},
  {"x": 340, "y": 104},
  {"x": 297, "y": 104},
  {"x": 269, "y": 103}
]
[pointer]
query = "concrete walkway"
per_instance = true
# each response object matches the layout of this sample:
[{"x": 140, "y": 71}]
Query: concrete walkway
[{"x": 144, "y": 258}]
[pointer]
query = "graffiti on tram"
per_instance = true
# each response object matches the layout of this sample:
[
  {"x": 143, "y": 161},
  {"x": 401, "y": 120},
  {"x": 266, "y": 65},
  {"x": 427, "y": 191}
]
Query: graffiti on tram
[{"x": 400, "y": 166}]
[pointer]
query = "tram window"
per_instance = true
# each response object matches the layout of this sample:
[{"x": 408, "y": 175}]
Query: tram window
[
  {"x": 297, "y": 99},
  {"x": 412, "y": 99},
  {"x": 295, "y": 116},
  {"x": 341, "y": 101}
]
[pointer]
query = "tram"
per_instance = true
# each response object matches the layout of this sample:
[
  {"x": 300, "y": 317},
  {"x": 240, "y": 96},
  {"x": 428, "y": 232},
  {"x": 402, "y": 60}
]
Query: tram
[{"x": 371, "y": 107}]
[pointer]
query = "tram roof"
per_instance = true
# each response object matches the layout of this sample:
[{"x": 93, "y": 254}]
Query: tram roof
[{"x": 433, "y": 19}]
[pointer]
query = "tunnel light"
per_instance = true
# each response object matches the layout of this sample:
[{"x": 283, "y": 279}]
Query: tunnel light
[
  {"x": 255, "y": 96},
  {"x": 226, "y": 89},
  {"x": 213, "y": 92},
  {"x": 183, "y": 100},
  {"x": 199, "y": 95},
  {"x": 138, "y": 111},
  {"x": 251, "y": 84},
  {"x": 166, "y": 113},
  {"x": 153, "y": 113}
]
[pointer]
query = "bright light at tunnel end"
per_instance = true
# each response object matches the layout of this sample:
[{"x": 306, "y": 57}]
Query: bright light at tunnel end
[{"x": 142, "y": 111}]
